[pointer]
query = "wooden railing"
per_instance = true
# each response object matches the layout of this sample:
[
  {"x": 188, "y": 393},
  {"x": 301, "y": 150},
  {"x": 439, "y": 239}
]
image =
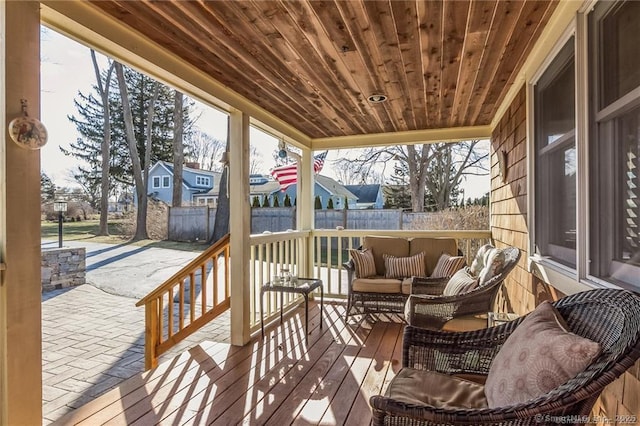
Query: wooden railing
[
  {"x": 270, "y": 253},
  {"x": 191, "y": 298}
]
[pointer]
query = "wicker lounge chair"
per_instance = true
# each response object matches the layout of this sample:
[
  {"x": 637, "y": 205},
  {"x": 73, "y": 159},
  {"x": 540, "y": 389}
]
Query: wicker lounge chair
[
  {"x": 427, "y": 308},
  {"x": 610, "y": 317}
]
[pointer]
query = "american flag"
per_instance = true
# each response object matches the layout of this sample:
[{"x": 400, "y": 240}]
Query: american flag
[{"x": 288, "y": 175}]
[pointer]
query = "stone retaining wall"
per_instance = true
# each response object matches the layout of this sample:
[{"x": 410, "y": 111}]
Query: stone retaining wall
[{"x": 62, "y": 268}]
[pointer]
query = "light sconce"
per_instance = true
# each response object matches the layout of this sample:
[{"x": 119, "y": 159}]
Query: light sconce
[
  {"x": 224, "y": 158},
  {"x": 282, "y": 149},
  {"x": 502, "y": 164}
]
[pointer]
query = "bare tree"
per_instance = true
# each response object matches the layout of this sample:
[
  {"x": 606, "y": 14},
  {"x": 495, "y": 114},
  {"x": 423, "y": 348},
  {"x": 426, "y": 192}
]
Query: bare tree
[
  {"x": 349, "y": 172},
  {"x": 205, "y": 150},
  {"x": 435, "y": 169},
  {"x": 223, "y": 211},
  {"x": 103, "y": 91},
  {"x": 140, "y": 177},
  {"x": 178, "y": 149}
]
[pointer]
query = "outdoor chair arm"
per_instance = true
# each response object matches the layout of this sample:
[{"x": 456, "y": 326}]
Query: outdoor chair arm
[
  {"x": 433, "y": 312},
  {"x": 453, "y": 353},
  {"x": 428, "y": 285}
]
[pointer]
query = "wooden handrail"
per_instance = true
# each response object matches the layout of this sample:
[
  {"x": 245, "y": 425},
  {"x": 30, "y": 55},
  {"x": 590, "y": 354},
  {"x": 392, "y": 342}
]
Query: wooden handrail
[
  {"x": 203, "y": 308},
  {"x": 162, "y": 288}
]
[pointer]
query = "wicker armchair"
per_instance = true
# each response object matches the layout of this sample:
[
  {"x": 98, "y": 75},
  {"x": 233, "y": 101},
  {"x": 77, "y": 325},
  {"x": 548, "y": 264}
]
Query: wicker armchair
[
  {"x": 610, "y": 317},
  {"x": 427, "y": 308}
]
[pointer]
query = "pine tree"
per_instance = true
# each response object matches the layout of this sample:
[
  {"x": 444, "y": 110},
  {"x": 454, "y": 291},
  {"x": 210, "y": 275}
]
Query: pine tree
[
  {"x": 89, "y": 124},
  {"x": 265, "y": 201},
  {"x": 47, "y": 188},
  {"x": 330, "y": 204},
  {"x": 287, "y": 200},
  {"x": 318, "y": 203},
  {"x": 255, "y": 202},
  {"x": 346, "y": 203},
  {"x": 276, "y": 201}
]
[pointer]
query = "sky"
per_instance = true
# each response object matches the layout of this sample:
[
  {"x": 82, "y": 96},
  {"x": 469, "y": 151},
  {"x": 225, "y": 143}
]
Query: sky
[{"x": 66, "y": 69}]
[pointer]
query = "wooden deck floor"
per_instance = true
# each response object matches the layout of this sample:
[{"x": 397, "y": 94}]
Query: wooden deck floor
[{"x": 278, "y": 381}]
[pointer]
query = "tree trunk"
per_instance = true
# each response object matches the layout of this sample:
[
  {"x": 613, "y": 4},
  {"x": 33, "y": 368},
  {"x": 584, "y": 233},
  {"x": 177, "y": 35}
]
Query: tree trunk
[
  {"x": 417, "y": 163},
  {"x": 221, "y": 225},
  {"x": 106, "y": 144},
  {"x": 178, "y": 149},
  {"x": 141, "y": 193}
]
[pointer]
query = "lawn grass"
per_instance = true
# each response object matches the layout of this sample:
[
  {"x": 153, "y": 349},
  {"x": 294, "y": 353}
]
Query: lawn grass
[{"x": 87, "y": 231}]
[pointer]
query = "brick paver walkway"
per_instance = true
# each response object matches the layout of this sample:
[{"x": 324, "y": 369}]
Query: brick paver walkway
[{"x": 92, "y": 341}]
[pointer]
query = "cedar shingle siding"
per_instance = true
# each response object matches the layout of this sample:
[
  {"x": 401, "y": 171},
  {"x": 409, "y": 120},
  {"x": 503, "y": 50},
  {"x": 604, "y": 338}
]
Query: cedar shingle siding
[{"x": 509, "y": 224}]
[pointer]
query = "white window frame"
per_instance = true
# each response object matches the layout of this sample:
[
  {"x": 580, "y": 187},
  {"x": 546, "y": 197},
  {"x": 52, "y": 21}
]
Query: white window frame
[
  {"x": 203, "y": 180},
  {"x": 156, "y": 181},
  {"x": 565, "y": 279},
  {"x": 166, "y": 179},
  {"x": 557, "y": 269}
]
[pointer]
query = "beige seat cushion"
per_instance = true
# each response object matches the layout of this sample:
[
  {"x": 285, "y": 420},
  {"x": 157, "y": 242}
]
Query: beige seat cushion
[
  {"x": 394, "y": 246},
  {"x": 432, "y": 248},
  {"x": 377, "y": 285},
  {"x": 436, "y": 390},
  {"x": 406, "y": 285},
  {"x": 538, "y": 356}
]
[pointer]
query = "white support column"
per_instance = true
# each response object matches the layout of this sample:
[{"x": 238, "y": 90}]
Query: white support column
[
  {"x": 239, "y": 226},
  {"x": 20, "y": 285},
  {"x": 305, "y": 213}
]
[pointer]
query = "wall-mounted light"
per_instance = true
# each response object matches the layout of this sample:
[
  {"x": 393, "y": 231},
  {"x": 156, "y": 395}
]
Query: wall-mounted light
[
  {"x": 224, "y": 158},
  {"x": 502, "y": 164}
]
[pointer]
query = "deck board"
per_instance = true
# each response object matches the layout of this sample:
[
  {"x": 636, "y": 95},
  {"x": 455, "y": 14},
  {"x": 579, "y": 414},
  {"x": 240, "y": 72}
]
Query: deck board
[{"x": 275, "y": 381}]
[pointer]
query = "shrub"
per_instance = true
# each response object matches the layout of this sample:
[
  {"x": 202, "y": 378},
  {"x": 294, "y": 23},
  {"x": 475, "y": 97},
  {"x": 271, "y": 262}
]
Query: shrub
[
  {"x": 330, "y": 204},
  {"x": 318, "y": 203},
  {"x": 276, "y": 201},
  {"x": 265, "y": 201},
  {"x": 287, "y": 200},
  {"x": 256, "y": 201}
]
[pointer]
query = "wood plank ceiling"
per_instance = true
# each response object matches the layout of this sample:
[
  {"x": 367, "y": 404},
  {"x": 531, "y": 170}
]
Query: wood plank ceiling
[{"x": 313, "y": 64}]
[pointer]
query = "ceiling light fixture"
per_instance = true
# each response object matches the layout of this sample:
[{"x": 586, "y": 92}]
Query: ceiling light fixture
[{"x": 377, "y": 98}]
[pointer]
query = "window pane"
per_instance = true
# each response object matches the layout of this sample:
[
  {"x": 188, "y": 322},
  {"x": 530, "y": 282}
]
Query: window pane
[
  {"x": 616, "y": 200},
  {"x": 556, "y": 160},
  {"x": 620, "y": 58}
]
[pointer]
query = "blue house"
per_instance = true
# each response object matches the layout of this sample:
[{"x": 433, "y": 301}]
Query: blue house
[
  {"x": 369, "y": 196},
  {"x": 195, "y": 181},
  {"x": 326, "y": 188}
]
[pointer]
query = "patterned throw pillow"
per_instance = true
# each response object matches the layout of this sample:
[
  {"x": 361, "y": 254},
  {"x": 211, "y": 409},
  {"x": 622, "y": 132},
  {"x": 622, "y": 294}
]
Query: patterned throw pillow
[
  {"x": 447, "y": 266},
  {"x": 403, "y": 267},
  {"x": 460, "y": 282},
  {"x": 539, "y": 356},
  {"x": 364, "y": 264}
]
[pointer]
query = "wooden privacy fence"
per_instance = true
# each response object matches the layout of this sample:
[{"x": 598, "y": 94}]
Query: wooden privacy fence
[{"x": 188, "y": 300}]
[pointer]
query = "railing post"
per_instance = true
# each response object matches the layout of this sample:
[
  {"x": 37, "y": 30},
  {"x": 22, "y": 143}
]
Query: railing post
[{"x": 151, "y": 334}]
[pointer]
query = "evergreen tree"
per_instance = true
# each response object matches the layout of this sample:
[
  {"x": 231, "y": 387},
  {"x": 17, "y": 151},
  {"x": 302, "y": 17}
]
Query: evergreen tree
[
  {"x": 287, "y": 200},
  {"x": 276, "y": 201},
  {"x": 255, "y": 202},
  {"x": 318, "y": 203},
  {"x": 47, "y": 188},
  {"x": 330, "y": 204},
  {"x": 346, "y": 203},
  {"x": 265, "y": 201},
  {"x": 89, "y": 124}
]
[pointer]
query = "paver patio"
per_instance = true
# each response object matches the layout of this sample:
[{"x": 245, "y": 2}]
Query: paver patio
[{"x": 92, "y": 341}]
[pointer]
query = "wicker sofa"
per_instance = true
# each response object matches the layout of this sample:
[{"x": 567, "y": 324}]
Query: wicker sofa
[{"x": 378, "y": 294}]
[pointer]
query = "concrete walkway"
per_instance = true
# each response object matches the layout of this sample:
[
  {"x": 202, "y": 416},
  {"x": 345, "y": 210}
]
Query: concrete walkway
[{"x": 93, "y": 335}]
